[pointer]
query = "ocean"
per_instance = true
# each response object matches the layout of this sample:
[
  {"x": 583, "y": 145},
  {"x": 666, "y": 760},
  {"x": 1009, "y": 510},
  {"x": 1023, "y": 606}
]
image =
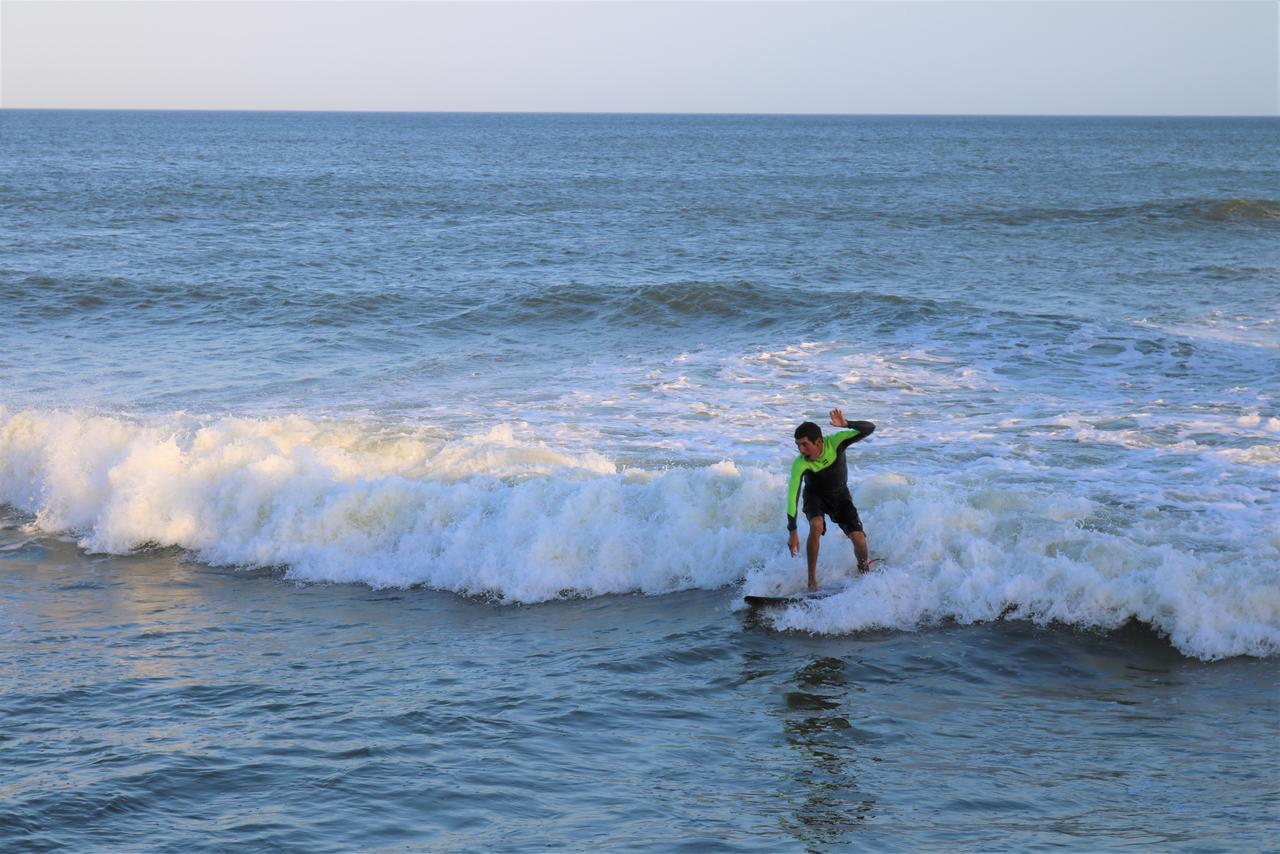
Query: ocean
[{"x": 392, "y": 482}]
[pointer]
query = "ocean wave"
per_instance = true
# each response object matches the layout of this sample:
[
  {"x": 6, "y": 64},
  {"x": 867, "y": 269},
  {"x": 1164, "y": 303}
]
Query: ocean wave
[
  {"x": 506, "y": 515},
  {"x": 481, "y": 515},
  {"x": 982, "y": 554}
]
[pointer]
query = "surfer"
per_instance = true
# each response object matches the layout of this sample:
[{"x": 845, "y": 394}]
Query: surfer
[{"x": 822, "y": 467}]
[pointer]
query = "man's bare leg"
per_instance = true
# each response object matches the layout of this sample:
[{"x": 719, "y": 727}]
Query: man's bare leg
[
  {"x": 816, "y": 526},
  {"x": 860, "y": 551}
]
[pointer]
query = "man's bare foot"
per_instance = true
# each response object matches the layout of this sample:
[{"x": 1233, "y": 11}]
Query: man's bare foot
[{"x": 864, "y": 568}]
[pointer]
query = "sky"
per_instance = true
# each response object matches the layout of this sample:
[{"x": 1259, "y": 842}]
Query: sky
[{"x": 1071, "y": 57}]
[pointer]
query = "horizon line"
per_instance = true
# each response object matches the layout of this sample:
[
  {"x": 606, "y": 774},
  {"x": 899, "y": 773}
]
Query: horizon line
[{"x": 642, "y": 113}]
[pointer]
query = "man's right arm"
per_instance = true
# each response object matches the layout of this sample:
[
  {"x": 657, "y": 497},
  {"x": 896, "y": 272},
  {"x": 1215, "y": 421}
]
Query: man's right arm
[{"x": 793, "y": 492}]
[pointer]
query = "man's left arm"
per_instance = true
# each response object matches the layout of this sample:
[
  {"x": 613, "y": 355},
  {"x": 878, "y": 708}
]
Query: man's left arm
[{"x": 855, "y": 431}]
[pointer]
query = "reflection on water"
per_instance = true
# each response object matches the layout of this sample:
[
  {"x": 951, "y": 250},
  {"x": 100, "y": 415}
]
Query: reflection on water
[
  {"x": 237, "y": 709},
  {"x": 831, "y": 751}
]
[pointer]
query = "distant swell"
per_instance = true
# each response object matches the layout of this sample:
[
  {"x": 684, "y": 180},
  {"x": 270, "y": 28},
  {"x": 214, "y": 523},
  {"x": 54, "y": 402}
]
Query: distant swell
[
  {"x": 268, "y": 299},
  {"x": 657, "y": 305},
  {"x": 503, "y": 515},
  {"x": 648, "y": 305},
  {"x": 1188, "y": 212},
  {"x": 1242, "y": 210},
  {"x": 661, "y": 302}
]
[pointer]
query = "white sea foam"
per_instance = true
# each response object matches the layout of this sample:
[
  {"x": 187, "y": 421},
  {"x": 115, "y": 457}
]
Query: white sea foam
[
  {"x": 487, "y": 514},
  {"x": 507, "y": 513},
  {"x": 973, "y": 553},
  {"x": 1253, "y": 419},
  {"x": 1241, "y": 329}
]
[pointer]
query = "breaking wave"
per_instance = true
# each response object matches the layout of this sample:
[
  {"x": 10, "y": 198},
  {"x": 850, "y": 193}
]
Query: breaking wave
[{"x": 504, "y": 515}]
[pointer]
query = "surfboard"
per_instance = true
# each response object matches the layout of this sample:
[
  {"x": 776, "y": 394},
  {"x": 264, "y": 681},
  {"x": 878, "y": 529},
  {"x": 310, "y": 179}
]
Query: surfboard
[
  {"x": 794, "y": 599},
  {"x": 803, "y": 596}
]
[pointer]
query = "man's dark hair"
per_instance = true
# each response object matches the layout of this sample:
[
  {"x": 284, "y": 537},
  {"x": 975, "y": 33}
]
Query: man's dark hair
[{"x": 809, "y": 430}]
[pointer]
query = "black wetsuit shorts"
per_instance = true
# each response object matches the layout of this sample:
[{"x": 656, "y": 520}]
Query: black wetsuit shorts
[{"x": 839, "y": 507}]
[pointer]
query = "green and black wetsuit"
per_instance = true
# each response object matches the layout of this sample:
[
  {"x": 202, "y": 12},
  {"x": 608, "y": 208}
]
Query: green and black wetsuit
[{"x": 826, "y": 480}]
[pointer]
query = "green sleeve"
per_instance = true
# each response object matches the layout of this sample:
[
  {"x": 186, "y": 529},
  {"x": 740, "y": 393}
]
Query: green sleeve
[
  {"x": 843, "y": 436},
  {"x": 793, "y": 491},
  {"x": 856, "y": 432}
]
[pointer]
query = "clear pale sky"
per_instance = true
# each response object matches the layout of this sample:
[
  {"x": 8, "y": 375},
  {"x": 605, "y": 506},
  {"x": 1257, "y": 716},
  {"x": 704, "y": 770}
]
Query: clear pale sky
[{"x": 1219, "y": 57}]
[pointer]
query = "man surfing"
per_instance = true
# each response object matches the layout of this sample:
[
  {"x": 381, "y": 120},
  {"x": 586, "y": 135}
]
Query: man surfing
[{"x": 822, "y": 467}]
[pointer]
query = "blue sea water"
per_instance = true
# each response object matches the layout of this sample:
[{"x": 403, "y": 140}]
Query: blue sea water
[{"x": 392, "y": 480}]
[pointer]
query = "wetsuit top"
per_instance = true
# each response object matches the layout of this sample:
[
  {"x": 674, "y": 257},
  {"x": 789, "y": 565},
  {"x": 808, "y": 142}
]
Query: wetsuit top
[{"x": 829, "y": 473}]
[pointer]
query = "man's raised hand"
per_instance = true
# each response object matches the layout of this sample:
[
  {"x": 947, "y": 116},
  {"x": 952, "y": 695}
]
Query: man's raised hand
[{"x": 837, "y": 419}]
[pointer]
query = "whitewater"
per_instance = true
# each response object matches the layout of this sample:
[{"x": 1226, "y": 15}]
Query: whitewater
[{"x": 507, "y": 514}]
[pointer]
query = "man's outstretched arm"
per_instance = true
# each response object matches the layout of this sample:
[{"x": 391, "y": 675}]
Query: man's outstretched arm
[{"x": 858, "y": 430}]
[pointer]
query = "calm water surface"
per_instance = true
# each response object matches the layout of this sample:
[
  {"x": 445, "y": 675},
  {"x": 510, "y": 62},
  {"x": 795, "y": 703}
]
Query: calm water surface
[{"x": 153, "y": 703}]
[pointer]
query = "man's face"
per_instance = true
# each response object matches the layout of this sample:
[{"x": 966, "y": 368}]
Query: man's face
[{"x": 809, "y": 449}]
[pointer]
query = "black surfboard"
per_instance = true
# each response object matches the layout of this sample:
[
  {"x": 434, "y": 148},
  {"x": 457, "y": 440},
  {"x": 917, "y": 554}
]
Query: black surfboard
[{"x": 794, "y": 599}]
